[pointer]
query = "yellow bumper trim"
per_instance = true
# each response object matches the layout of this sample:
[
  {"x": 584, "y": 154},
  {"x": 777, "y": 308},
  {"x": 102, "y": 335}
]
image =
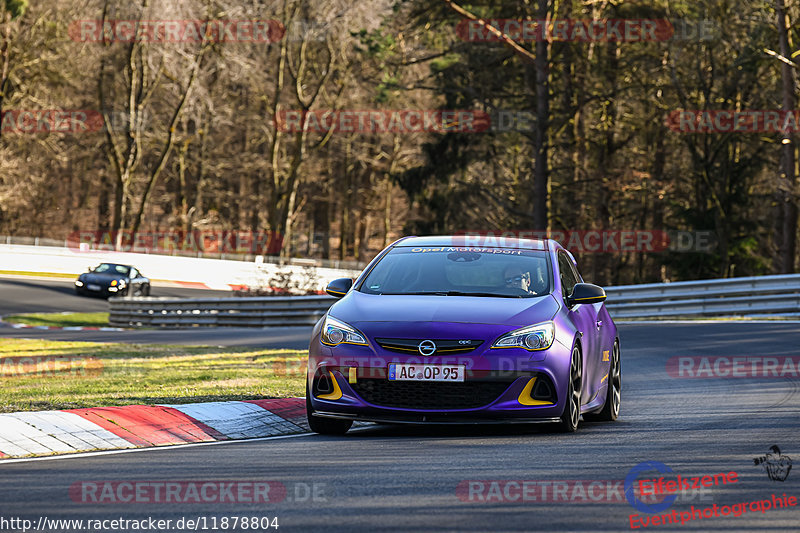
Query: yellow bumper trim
[
  {"x": 337, "y": 392},
  {"x": 525, "y": 397}
]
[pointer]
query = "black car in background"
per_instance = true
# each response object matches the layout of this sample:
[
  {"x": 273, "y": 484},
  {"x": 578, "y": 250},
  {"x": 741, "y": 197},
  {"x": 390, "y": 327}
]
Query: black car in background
[{"x": 110, "y": 279}]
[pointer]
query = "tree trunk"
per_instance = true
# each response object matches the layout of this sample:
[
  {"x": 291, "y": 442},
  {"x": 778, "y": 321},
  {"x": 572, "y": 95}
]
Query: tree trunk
[
  {"x": 789, "y": 245},
  {"x": 169, "y": 142},
  {"x": 387, "y": 212},
  {"x": 540, "y": 170},
  {"x": 4, "y": 55}
]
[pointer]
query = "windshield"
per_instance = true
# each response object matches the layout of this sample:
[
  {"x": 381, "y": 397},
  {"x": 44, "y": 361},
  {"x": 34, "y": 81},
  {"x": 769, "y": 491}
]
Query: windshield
[
  {"x": 455, "y": 271},
  {"x": 112, "y": 269}
]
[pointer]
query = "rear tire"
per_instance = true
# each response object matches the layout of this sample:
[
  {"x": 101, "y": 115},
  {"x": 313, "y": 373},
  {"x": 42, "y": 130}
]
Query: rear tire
[
  {"x": 324, "y": 426},
  {"x": 572, "y": 410},
  {"x": 610, "y": 410}
]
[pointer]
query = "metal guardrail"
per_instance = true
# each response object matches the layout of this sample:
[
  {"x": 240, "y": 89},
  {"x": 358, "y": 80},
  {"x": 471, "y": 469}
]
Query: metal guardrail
[
  {"x": 752, "y": 296},
  {"x": 763, "y": 295},
  {"x": 237, "y": 312}
]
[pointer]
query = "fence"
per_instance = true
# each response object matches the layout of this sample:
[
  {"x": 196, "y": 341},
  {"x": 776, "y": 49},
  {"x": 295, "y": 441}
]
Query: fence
[
  {"x": 753, "y": 296},
  {"x": 764, "y": 295},
  {"x": 219, "y": 274},
  {"x": 291, "y": 261},
  {"x": 239, "y": 312}
]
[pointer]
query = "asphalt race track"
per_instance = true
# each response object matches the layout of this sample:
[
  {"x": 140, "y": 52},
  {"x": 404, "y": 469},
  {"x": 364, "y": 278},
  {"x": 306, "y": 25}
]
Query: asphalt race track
[
  {"x": 39, "y": 296},
  {"x": 295, "y": 338},
  {"x": 418, "y": 478},
  {"x": 20, "y": 295}
]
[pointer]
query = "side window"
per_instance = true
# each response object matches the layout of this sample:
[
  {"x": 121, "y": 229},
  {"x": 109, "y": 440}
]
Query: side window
[
  {"x": 134, "y": 273},
  {"x": 568, "y": 278},
  {"x": 575, "y": 271}
]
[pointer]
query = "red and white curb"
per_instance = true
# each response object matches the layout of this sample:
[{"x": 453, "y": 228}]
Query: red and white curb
[{"x": 28, "y": 434}]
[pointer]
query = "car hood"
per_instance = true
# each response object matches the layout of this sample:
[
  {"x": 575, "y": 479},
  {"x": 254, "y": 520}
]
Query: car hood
[
  {"x": 103, "y": 277},
  {"x": 358, "y": 307}
]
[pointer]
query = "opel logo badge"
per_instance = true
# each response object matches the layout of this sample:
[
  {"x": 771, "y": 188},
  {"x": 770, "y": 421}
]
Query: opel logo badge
[{"x": 427, "y": 347}]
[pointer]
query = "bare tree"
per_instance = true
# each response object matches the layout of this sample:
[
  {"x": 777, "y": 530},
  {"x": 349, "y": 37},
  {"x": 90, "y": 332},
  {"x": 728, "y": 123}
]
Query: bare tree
[{"x": 788, "y": 171}]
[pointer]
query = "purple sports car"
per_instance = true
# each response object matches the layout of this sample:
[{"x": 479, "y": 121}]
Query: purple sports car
[{"x": 436, "y": 330}]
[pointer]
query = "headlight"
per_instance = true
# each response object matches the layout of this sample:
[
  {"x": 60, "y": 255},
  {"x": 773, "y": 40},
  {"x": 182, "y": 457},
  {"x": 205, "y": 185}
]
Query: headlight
[
  {"x": 335, "y": 332},
  {"x": 79, "y": 283},
  {"x": 536, "y": 337}
]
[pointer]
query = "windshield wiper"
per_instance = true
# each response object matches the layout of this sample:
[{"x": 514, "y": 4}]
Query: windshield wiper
[
  {"x": 482, "y": 294},
  {"x": 423, "y": 293},
  {"x": 452, "y": 293}
]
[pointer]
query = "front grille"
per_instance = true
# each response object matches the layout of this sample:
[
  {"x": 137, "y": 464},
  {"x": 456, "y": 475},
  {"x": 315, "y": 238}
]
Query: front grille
[
  {"x": 443, "y": 346},
  {"x": 429, "y": 395}
]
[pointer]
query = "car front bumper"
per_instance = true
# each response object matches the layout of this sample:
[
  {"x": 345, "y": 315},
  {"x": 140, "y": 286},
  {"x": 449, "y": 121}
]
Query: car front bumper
[{"x": 493, "y": 390}]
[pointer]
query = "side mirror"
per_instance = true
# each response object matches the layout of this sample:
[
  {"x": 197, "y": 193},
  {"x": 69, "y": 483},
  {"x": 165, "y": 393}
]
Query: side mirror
[
  {"x": 339, "y": 287},
  {"x": 586, "y": 293}
]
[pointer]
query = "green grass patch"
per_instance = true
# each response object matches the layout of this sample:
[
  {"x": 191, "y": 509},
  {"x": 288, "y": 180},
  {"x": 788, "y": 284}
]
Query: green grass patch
[
  {"x": 60, "y": 319},
  {"x": 42, "y": 374}
]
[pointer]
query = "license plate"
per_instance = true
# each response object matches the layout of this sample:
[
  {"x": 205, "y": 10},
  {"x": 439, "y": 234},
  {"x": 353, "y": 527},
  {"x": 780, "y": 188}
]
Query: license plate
[
  {"x": 412, "y": 372},
  {"x": 93, "y": 287}
]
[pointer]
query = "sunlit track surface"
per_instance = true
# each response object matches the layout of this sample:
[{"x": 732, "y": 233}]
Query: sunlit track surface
[
  {"x": 45, "y": 296},
  {"x": 406, "y": 477},
  {"x": 19, "y": 295},
  {"x": 295, "y": 338}
]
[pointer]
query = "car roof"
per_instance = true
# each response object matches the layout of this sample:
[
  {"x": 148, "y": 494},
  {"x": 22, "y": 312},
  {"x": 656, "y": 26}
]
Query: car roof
[{"x": 488, "y": 240}]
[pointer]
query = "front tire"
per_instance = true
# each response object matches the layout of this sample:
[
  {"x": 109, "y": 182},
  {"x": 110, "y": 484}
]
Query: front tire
[
  {"x": 610, "y": 410},
  {"x": 572, "y": 410},
  {"x": 324, "y": 426}
]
